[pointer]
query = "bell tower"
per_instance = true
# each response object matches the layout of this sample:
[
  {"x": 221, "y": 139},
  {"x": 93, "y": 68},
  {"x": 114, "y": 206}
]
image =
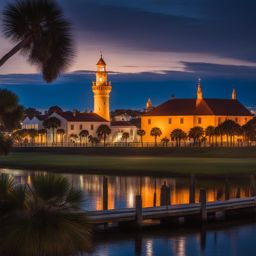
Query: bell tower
[{"x": 101, "y": 89}]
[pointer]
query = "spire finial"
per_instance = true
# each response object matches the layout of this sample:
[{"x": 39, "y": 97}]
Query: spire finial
[
  {"x": 199, "y": 90},
  {"x": 234, "y": 94}
]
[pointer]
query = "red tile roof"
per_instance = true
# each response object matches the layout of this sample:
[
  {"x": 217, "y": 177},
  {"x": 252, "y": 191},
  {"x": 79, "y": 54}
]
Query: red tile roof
[
  {"x": 121, "y": 123},
  {"x": 82, "y": 117},
  {"x": 183, "y": 107}
]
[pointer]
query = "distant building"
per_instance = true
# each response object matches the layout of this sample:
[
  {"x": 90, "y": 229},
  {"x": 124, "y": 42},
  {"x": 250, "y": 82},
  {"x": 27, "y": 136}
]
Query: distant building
[
  {"x": 73, "y": 122},
  {"x": 187, "y": 113}
]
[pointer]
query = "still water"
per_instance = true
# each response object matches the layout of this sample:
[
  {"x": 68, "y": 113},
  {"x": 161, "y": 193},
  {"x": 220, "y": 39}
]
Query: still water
[{"x": 232, "y": 240}]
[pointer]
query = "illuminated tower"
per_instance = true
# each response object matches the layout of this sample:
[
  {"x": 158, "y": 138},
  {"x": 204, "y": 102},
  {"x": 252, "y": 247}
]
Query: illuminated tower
[
  {"x": 199, "y": 92},
  {"x": 101, "y": 89}
]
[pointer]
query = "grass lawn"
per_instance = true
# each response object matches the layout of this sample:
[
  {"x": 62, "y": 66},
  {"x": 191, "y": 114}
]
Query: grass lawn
[{"x": 130, "y": 165}]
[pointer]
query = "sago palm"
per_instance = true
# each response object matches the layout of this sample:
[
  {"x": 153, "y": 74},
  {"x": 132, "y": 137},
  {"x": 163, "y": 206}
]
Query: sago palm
[
  {"x": 43, "y": 219},
  {"x": 40, "y": 31}
]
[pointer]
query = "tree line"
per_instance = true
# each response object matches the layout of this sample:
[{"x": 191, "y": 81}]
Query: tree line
[{"x": 226, "y": 131}]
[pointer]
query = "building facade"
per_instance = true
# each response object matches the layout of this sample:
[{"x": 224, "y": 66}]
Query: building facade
[{"x": 187, "y": 113}]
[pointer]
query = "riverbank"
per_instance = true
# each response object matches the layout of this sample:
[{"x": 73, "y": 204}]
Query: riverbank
[{"x": 199, "y": 164}]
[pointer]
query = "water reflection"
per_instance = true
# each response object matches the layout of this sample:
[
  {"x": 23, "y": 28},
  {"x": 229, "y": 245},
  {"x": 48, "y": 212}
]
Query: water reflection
[{"x": 122, "y": 190}]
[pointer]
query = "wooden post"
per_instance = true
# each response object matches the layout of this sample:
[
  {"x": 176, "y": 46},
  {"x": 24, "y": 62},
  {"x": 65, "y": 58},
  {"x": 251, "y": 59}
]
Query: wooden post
[
  {"x": 138, "y": 209},
  {"x": 203, "y": 205},
  {"x": 105, "y": 193},
  {"x": 154, "y": 200},
  {"x": 238, "y": 192},
  {"x": 192, "y": 190},
  {"x": 252, "y": 185},
  {"x": 227, "y": 190}
]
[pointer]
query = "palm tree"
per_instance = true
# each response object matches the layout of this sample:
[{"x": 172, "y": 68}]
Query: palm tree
[
  {"x": 84, "y": 134},
  {"x": 165, "y": 141},
  {"x": 141, "y": 133},
  {"x": 230, "y": 128},
  {"x": 249, "y": 130},
  {"x": 73, "y": 137},
  {"x": 37, "y": 219},
  {"x": 210, "y": 132},
  {"x": 196, "y": 134},
  {"x": 52, "y": 123},
  {"x": 42, "y": 133},
  {"x": 5, "y": 144},
  {"x": 156, "y": 132},
  {"x": 61, "y": 132},
  {"x": 41, "y": 32},
  {"x": 32, "y": 134},
  {"x": 93, "y": 140},
  {"x": 178, "y": 135},
  {"x": 103, "y": 131},
  {"x": 11, "y": 113},
  {"x": 125, "y": 136}
]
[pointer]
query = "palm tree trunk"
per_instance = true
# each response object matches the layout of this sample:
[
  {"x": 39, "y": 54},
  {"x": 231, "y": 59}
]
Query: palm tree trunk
[
  {"x": 155, "y": 141},
  {"x": 14, "y": 50}
]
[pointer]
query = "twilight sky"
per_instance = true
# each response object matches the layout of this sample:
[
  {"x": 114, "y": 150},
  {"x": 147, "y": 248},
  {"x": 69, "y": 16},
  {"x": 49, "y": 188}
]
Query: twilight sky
[{"x": 155, "y": 47}]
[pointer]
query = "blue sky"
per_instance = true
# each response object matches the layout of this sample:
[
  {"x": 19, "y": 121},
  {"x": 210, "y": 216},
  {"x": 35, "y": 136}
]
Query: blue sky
[{"x": 155, "y": 47}]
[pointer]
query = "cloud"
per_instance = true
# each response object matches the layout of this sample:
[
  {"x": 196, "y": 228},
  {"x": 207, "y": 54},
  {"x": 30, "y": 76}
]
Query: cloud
[{"x": 222, "y": 28}]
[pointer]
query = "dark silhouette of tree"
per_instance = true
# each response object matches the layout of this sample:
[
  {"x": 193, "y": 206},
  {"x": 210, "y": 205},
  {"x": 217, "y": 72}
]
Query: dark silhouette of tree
[
  {"x": 178, "y": 135},
  {"x": 103, "y": 131},
  {"x": 84, "y": 134},
  {"x": 141, "y": 133},
  {"x": 54, "y": 109},
  {"x": 41, "y": 32},
  {"x": 33, "y": 216},
  {"x": 32, "y": 134},
  {"x": 11, "y": 113},
  {"x": 230, "y": 128},
  {"x": 5, "y": 144},
  {"x": 42, "y": 133},
  {"x": 31, "y": 112},
  {"x": 52, "y": 123},
  {"x": 61, "y": 132},
  {"x": 210, "y": 132},
  {"x": 249, "y": 131},
  {"x": 125, "y": 136},
  {"x": 196, "y": 134},
  {"x": 156, "y": 132},
  {"x": 165, "y": 141}
]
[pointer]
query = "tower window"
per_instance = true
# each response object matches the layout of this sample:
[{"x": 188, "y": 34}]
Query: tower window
[
  {"x": 100, "y": 79},
  {"x": 182, "y": 121}
]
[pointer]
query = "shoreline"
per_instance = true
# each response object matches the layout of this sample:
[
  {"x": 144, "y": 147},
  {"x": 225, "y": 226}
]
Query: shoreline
[{"x": 131, "y": 165}]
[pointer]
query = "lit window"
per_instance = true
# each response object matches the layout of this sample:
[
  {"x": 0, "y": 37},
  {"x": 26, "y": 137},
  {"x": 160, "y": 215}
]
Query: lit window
[
  {"x": 100, "y": 79},
  {"x": 71, "y": 127},
  {"x": 182, "y": 120},
  {"x": 170, "y": 121},
  {"x": 149, "y": 121},
  {"x": 199, "y": 120}
]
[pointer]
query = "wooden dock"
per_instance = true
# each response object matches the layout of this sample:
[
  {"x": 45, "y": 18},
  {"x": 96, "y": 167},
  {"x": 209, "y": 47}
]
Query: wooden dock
[{"x": 201, "y": 211}]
